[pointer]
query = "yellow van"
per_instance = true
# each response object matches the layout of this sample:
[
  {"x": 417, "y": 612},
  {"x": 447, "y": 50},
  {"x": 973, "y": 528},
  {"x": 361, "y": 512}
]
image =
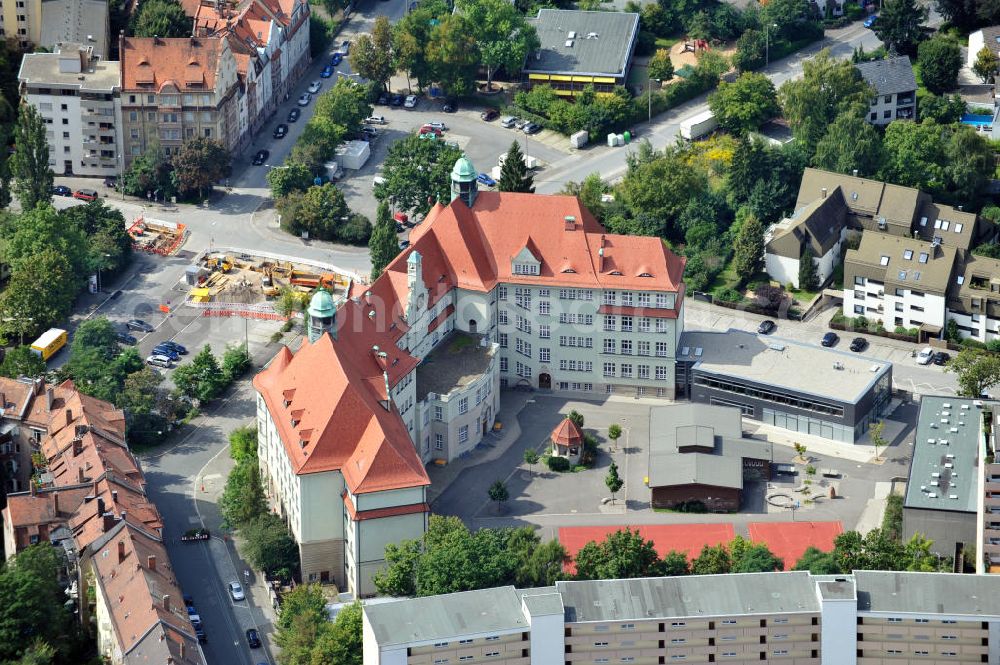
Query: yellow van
[{"x": 51, "y": 341}]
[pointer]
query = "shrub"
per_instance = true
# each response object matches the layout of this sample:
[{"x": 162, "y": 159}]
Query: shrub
[
  {"x": 899, "y": 330},
  {"x": 993, "y": 345},
  {"x": 860, "y": 323},
  {"x": 729, "y": 295},
  {"x": 557, "y": 464},
  {"x": 693, "y": 506}
]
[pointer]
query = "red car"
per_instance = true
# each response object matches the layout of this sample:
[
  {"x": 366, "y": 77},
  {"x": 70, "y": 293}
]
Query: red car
[
  {"x": 426, "y": 129},
  {"x": 85, "y": 194},
  {"x": 401, "y": 217}
]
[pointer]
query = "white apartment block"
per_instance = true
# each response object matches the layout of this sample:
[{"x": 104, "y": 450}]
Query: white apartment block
[
  {"x": 77, "y": 95},
  {"x": 868, "y": 618}
]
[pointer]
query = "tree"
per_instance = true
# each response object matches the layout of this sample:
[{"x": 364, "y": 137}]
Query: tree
[
  {"x": 243, "y": 443},
  {"x": 199, "y": 164},
  {"x": 269, "y": 547},
  {"x": 502, "y": 35},
  {"x": 808, "y": 278},
  {"x": 750, "y": 50},
  {"x": 977, "y": 371},
  {"x": 660, "y": 66},
  {"x": 498, "y": 492},
  {"x": 986, "y": 64},
  {"x": 292, "y": 177},
  {"x": 960, "y": 13},
  {"x": 945, "y": 110},
  {"x": 303, "y": 617},
  {"x": 614, "y": 433},
  {"x": 322, "y": 213},
  {"x": 383, "y": 245},
  {"x": 751, "y": 557},
  {"x": 576, "y": 418},
  {"x": 613, "y": 481},
  {"x": 161, "y": 18},
  {"x": 939, "y": 59},
  {"x": 149, "y": 172},
  {"x": 590, "y": 192},
  {"x": 202, "y": 378},
  {"x": 748, "y": 248},
  {"x": 410, "y": 37},
  {"x": 850, "y": 143},
  {"x": 452, "y": 54},
  {"x": 657, "y": 188},
  {"x": 345, "y": 105},
  {"x": 29, "y": 165},
  {"x": 243, "y": 498},
  {"x": 828, "y": 87},
  {"x": 543, "y": 566},
  {"x": 372, "y": 55},
  {"x": 340, "y": 643},
  {"x": 39, "y": 293},
  {"x": 915, "y": 155},
  {"x": 417, "y": 173},
  {"x": 676, "y": 564},
  {"x": 514, "y": 174},
  {"x": 713, "y": 560},
  {"x": 900, "y": 25},
  {"x": 622, "y": 554},
  {"x": 876, "y": 437},
  {"x": 800, "y": 450},
  {"x": 818, "y": 562},
  {"x": 399, "y": 576},
  {"x": 21, "y": 361},
  {"x": 530, "y": 455},
  {"x": 968, "y": 163},
  {"x": 742, "y": 106}
]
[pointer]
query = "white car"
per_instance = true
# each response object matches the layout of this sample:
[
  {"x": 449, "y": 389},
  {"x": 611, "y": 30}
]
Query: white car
[
  {"x": 304, "y": 99},
  {"x": 314, "y": 87},
  {"x": 375, "y": 120},
  {"x": 925, "y": 356},
  {"x": 410, "y": 102},
  {"x": 236, "y": 591},
  {"x": 440, "y": 126},
  {"x": 159, "y": 361}
]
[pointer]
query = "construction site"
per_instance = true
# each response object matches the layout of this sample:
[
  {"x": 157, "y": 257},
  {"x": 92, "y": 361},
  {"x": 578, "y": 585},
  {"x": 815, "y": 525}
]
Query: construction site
[
  {"x": 155, "y": 236},
  {"x": 239, "y": 279}
]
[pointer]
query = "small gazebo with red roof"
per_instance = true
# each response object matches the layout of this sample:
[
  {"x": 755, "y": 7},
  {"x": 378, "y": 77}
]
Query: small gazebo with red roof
[{"x": 567, "y": 441}]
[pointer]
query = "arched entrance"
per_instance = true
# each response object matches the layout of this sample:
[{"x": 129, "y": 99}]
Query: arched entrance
[
  {"x": 472, "y": 325},
  {"x": 545, "y": 381}
]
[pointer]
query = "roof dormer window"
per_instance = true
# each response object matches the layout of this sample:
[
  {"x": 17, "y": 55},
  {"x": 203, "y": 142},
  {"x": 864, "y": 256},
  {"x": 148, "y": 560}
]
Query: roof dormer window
[
  {"x": 526, "y": 269},
  {"x": 570, "y": 271}
]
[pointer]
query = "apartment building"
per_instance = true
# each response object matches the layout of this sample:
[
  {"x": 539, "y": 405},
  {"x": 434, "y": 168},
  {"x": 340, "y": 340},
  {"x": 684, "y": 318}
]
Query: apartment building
[
  {"x": 176, "y": 89},
  {"x": 87, "y": 498},
  {"x": 77, "y": 95},
  {"x": 895, "y": 89},
  {"x": 907, "y": 260},
  {"x": 21, "y": 22},
  {"x": 868, "y": 618},
  {"x": 496, "y": 290}
]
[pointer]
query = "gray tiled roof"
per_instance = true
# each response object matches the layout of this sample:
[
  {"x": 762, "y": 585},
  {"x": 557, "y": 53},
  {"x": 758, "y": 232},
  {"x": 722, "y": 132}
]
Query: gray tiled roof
[
  {"x": 602, "y": 45},
  {"x": 889, "y": 76}
]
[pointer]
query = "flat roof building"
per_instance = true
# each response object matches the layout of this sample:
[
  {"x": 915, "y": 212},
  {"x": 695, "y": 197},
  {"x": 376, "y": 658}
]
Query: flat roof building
[
  {"x": 795, "y": 617},
  {"x": 762, "y": 376},
  {"x": 76, "y": 22},
  {"x": 581, "y": 48}
]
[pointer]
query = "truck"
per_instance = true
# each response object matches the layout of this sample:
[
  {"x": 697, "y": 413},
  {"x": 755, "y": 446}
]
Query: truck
[
  {"x": 51, "y": 341},
  {"x": 698, "y": 125}
]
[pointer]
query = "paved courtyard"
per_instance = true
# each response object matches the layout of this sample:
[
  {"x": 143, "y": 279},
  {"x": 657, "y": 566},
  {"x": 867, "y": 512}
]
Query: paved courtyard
[{"x": 551, "y": 500}]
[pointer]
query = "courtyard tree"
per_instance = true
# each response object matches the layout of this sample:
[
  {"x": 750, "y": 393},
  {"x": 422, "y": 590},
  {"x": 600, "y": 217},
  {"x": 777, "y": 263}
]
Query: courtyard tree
[
  {"x": 660, "y": 67},
  {"x": 383, "y": 245},
  {"x": 498, "y": 492},
  {"x": 613, "y": 481},
  {"x": 939, "y": 58},
  {"x": 514, "y": 174},
  {"x": 748, "y": 248},
  {"x": 986, "y": 64},
  {"x": 900, "y": 25},
  {"x": 530, "y": 455},
  {"x": 614, "y": 433},
  {"x": 372, "y": 56},
  {"x": 713, "y": 560},
  {"x": 502, "y": 34},
  {"x": 808, "y": 277},
  {"x": 875, "y": 432},
  {"x": 977, "y": 371},
  {"x": 850, "y": 144},
  {"x": 269, "y": 547},
  {"x": 576, "y": 418},
  {"x": 161, "y": 18},
  {"x": 29, "y": 165},
  {"x": 416, "y": 174},
  {"x": 200, "y": 163},
  {"x": 743, "y": 105},
  {"x": 622, "y": 554},
  {"x": 292, "y": 177}
]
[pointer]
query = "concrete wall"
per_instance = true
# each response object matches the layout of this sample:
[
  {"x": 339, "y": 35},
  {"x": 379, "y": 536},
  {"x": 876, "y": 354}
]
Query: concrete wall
[{"x": 944, "y": 527}]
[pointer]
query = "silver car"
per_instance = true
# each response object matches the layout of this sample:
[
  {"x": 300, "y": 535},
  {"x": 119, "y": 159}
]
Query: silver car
[
  {"x": 410, "y": 102},
  {"x": 304, "y": 99},
  {"x": 157, "y": 360},
  {"x": 236, "y": 591},
  {"x": 314, "y": 87}
]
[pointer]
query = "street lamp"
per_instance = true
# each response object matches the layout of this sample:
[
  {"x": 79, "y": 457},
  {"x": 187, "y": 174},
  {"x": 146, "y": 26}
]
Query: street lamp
[{"x": 767, "y": 45}]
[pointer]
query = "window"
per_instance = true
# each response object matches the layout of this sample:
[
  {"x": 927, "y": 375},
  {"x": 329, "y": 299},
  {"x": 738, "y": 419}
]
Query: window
[
  {"x": 643, "y": 349},
  {"x": 543, "y": 293},
  {"x": 626, "y": 324},
  {"x": 643, "y": 371},
  {"x": 544, "y": 332},
  {"x": 645, "y": 324},
  {"x": 662, "y": 349},
  {"x": 643, "y": 300},
  {"x": 884, "y": 260},
  {"x": 958, "y": 227},
  {"x": 502, "y": 292},
  {"x": 503, "y": 317},
  {"x": 610, "y": 297},
  {"x": 609, "y": 346},
  {"x": 525, "y": 269},
  {"x": 545, "y": 355},
  {"x": 609, "y": 369},
  {"x": 627, "y": 298},
  {"x": 663, "y": 301},
  {"x": 661, "y": 373},
  {"x": 859, "y": 309},
  {"x": 522, "y": 347},
  {"x": 627, "y": 626},
  {"x": 522, "y": 297},
  {"x": 887, "y": 114},
  {"x": 463, "y": 434},
  {"x": 626, "y": 347},
  {"x": 626, "y": 370},
  {"x": 438, "y": 413},
  {"x": 678, "y": 640},
  {"x": 610, "y": 323},
  {"x": 544, "y": 307},
  {"x": 923, "y": 257},
  {"x": 502, "y": 340},
  {"x": 600, "y": 644},
  {"x": 908, "y": 254},
  {"x": 491, "y": 654},
  {"x": 523, "y": 370},
  {"x": 859, "y": 281},
  {"x": 463, "y": 405},
  {"x": 465, "y": 641},
  {"x": 894, "y": 620}
]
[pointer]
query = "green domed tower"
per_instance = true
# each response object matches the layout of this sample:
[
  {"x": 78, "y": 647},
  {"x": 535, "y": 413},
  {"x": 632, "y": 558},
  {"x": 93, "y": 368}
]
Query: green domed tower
[
  {"x": 322, "y": 315},
  {"x": 463, "y": 181}
]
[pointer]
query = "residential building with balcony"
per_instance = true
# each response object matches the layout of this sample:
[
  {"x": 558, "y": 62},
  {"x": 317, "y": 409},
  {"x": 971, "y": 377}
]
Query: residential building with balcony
[
  {"x": 176, "y": 89},
  {"x": 76, "y": 93},
  {"x": 496, "y": 290},
  {"x": 868, "y": 618},
  {"x": 895, "y": 89}
]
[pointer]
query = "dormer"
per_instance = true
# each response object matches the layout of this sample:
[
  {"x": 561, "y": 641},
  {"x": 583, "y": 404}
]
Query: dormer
[{"x": 525, "y": 263}]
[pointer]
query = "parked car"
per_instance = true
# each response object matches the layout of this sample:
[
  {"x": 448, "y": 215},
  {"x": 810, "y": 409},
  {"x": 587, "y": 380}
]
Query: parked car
[
  {"x": 400, "y": 228},
  {"x": 383, "y": 99},
  {"x": 327, "y": 72},
  {"x": 485, "y": 179},
  {"x": 450, "y": 106},
  {"x": 166, "y": 351},
  {"x": 62, "y": 190},
  {"x": 293, "y": 115},
  {"x": 509, "y": 121},
  {"x": 870, "y": 21},
  {"x": 531, "y": 128},
  {"x": 85, "y": 194},
  {"x": 396, "y": 99},
  {"x": 236, "y": 591},
  {"x": 941, "y": 358},
  {"x": 159, "y": 361},
  {"x": 336, "y": 59},
  {"x": 521, "y": 122},
  {"x": 179, "y": 348},
  {"x": 125, "y": 338},
  {"x": 859, "y": 344},
  {"x": 304, "y": 99},
  {"x": 410, "y": 102},
  {"x": 402, "y": 218},
  {"x": 489, "y": 115},
  {"x": 281, "y": 131},
  {"x": 261, "y": 157},
  {"x": 925, "y": 356},
  {"x": 369, "y": 132},
  {"x": 375, "y": 120},
  {"x": 345, "y": 47},
  {"x": 766, "y": 327},
  {"x": 829, "y": 339},
  {"x": 429, "y": 131},
  {"x": 314, "y": 87},
  {"x": 253, "y": 638},
  {"x": 140, "y": 325},
  {"x": 437, "y": 125},
  {"x": 199, "y": 632}
]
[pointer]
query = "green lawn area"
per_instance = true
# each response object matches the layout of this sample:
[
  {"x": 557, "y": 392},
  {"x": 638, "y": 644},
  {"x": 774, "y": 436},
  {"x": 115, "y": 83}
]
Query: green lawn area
[
  {"x": 666, "y": 42},
  {"x": 802, "y": 296}
]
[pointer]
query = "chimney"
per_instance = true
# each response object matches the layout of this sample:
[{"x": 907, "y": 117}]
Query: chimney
[
  {"x": 77, "y": 446},
  {"x": 81, "y": 479},
  {"x": 822, "y": 193},
  {"x": 114, "y": 495},
  {"x": 48, "y": 400},
  {"x": 121, "y": 551},
  {"x": 166, "y": 602},
  {"x": 570, "y": 222},
  {"x": 151, "y": 562},
  {"x": 108, "y": 523},
  {"x": 100, "y": 505},
  {"x": 855, "y": 172},
  {"x": 69, "y": 416},
  {"x": 55, "y": 503}
]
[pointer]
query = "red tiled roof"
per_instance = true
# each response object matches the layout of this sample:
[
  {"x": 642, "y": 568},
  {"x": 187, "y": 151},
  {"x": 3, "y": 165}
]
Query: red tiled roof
[
  {"x": 189, "y": 63},
  {"x": 378, "y": 513},
  {"x": 566, "y": 433}
]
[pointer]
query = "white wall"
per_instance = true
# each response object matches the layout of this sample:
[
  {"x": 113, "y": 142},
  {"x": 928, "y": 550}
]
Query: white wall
[
  {"x": 388, "y": 499},
  {"x": 547, "y": 636},
  {"x": 322, "y": 506},
  {"x": 975, "y": 46},
  {"x": 839, "y": 635},
  {"x": 783, "y": 269},
  {"x": 374, "y": 535},
  {"x": 371, "y": 652}
]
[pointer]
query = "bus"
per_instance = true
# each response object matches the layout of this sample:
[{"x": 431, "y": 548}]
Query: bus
[{"x": 51, "y": 341}]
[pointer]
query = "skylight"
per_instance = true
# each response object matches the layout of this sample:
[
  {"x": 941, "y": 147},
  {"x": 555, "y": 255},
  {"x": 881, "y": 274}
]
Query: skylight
[{"x": 884, "y": 260}]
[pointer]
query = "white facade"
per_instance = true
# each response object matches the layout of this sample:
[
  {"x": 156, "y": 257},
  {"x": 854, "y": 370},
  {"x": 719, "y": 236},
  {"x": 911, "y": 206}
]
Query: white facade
[{"x": 976, "y": 42}]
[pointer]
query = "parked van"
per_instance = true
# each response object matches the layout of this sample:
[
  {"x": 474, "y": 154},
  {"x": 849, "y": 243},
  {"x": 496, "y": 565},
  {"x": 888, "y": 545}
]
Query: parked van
[
  {"x": 51, "y": 341},
  {"x": 508, "y": 121}
]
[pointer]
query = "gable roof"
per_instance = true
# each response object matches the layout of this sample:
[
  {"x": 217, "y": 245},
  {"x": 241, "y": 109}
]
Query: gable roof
[
  {"x": 818, "y": 224},
  {"x": 890, "y": 76},
  {"x": 187, "y": 63}
]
